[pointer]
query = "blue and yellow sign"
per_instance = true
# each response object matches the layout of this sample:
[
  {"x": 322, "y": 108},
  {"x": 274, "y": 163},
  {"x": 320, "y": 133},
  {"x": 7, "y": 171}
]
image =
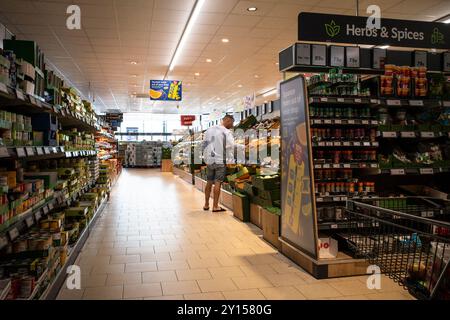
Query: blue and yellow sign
[{"x": 165, "y": 90}]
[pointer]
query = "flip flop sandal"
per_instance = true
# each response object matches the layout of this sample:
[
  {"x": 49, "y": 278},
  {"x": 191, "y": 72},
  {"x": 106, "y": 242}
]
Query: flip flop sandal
[
  {"x": 220, "y": 210},
  {"x": 206, "y": 209}
]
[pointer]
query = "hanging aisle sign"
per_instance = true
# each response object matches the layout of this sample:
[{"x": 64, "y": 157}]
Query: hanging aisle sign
[
  {"x": 166, "y": 90},
  {"x": 351, "y": 29}
]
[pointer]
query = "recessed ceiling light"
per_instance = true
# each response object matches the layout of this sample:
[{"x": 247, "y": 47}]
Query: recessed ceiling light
[
  {"x": 197, "y": 74},
  {"x": 265, "y": 101},
  {"x": 277, "y": 63},
  {"x": 134, "y": 75},
  {"x": 208, "y": 60},
  {"x": 225, "y": 40},
  {"x": 256, "y": 76},
  {"x": 218, "y": 99},
  {"x": 134, "y": 93},
  {"x": 239, "y": 85},
  {"x": 210, "y": 103},
  {"x": 133, "y": 62},
  {"x": 252, "y": 9}
]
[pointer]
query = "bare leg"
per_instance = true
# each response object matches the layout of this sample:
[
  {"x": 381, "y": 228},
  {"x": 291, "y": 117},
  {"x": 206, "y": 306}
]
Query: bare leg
[
  {"x": 208, "y": 189},
  {"x": 217, "y": 186}
]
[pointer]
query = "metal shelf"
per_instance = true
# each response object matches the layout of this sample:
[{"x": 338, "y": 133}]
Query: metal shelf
[
  {"x": 359, "y": 122},
  {"x": 332, "y": 144},
  {"x": 42, "y": 153},
  {"x": 356, "y": 165},
  {"x": 16, "y": 101}
]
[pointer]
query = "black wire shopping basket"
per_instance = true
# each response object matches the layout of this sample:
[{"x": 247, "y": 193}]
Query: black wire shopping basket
[{"x": 407, "y": 238}]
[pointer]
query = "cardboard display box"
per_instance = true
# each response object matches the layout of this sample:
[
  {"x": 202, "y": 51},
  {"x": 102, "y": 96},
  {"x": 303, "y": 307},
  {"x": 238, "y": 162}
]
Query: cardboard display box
[
  {"x": 241, "y": 207},
  {"x": 271, "y": 227}
]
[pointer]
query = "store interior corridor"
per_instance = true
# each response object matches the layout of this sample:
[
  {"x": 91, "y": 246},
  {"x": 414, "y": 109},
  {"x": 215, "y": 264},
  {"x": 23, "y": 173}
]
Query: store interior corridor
[{"x": 154, "y": 241}]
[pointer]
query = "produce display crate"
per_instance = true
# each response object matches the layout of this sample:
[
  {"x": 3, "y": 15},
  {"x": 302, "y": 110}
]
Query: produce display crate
[
  {"x": 255, "y": 215},
  {"x": 271, "y": 220},
  {"x": 241, "y": 207}
]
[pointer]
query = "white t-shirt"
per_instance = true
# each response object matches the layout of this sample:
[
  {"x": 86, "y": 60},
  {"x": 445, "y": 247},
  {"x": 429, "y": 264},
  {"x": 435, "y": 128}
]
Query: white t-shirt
[{"x": 217, "y": 142}]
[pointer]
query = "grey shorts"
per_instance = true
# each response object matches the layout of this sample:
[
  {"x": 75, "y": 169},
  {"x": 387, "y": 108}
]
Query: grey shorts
[{"x": 216, "y": 172}]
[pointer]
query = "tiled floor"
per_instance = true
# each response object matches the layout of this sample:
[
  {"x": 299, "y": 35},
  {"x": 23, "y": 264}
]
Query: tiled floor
[{"x": 154, "y": 241}]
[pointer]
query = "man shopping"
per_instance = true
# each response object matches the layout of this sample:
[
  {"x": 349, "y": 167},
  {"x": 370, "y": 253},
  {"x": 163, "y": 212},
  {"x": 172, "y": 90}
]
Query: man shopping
[{"x": 218, "y": 150}]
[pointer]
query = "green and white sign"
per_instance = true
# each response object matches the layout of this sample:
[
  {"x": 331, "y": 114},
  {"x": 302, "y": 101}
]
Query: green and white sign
[{"x": 352, "y": 29}]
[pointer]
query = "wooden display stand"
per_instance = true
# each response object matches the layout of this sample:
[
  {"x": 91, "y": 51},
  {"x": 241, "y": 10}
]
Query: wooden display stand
[
  {"x": 256, "y": 215},
  {"x": 271, "y": 227},
  {"x": 241, "y": 208},
  {"x": 341, "y": 266},
  {"x": 166, "y": 165},
  {"x": 226, "y": 198}
]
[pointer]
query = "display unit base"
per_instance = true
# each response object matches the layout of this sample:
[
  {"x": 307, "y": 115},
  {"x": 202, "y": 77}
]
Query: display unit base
[
  {"x": 166, "y": 165},
  {"x": 342, "y": 266},
  {"x": 183, "y": 175}
]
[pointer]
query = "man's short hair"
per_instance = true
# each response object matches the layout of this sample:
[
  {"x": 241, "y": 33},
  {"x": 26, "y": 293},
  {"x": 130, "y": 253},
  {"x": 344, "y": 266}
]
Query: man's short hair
[{"x": 228, "y": 116}]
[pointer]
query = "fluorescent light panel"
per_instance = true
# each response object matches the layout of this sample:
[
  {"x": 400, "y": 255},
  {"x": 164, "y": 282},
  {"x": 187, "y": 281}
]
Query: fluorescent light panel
[
  {"x": 271, "y": 92},
  {"x": 187, "y": 31}
]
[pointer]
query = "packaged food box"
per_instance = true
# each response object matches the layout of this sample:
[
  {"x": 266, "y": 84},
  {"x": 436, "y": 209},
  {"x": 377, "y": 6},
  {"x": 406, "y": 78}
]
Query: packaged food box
[
  {"x": 76, "y": 212},
  {"x": 50, "y": 178}
]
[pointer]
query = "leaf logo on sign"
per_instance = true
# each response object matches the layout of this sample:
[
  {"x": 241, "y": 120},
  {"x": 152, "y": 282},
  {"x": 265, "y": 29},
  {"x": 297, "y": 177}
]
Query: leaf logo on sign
[
  {"x": 332, "y": 29},
  {"x": 437, "y": 37}
]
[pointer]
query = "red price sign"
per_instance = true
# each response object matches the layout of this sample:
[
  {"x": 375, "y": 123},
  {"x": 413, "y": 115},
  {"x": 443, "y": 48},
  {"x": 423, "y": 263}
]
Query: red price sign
[{"x": 187, "y": 120}]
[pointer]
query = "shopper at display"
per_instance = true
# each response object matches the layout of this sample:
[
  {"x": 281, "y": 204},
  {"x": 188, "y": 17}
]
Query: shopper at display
[{"x": 218, "y": 149}]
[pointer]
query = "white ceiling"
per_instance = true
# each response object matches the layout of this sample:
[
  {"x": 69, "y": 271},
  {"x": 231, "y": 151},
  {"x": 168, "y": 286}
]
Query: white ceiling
[{"x": 116, "y": 32}]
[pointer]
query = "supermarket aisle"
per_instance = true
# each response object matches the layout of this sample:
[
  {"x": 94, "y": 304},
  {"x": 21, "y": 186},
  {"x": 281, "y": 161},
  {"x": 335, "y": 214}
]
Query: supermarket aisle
[{"x": 154, "y": 241}]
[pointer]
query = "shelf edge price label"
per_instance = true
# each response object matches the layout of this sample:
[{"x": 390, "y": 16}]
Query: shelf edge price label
[
  {"x": 374, "y": 101},
  {"x": 336, "y": 166},
  {"x": 19, "y": 95},
  {"x": 427, "y": 134},
  {"x": 3, "y": 242},
  {"x": 366, "y": 144},
  {"x": 13, "y": 234},
  {"x": 50, "y": 206},
  {"x": 328, "y": 121},
  {"x": 375, "y": 122},
  {"x": 337, "y": 199},
  {"x": 346, "y": 144},
  {"x": 397, "y": 172},
  {"x": 408, "y": 134},
  {"x": 336, "y": 144},
  {"x": 4, "y": 152},
  {"x": 45, "y": 210},
  {"x": 323, "y": 99},
  {"x": 416, "y": 103},
  {"x": 46, "y": 150},
  {"x": 365, "y": 121},
  {"x": 389, "y": 134},
  {"x": 347, "y": 165},
  {"x": 334, "y": 226},
  {"x": 319, "y": 199},
  {"x": 446, "y": 103},
  {"x": 358, "y": 100},
  {"x": 375, "y": 144},
  {"x": 29, "y": 221},
  {"x": 326, "y": 166},
  {"x": 38, "y": 215},
  {"x": 374, "y": 165},
  {"x": 39, "y": 151},
  {"x": 391, "y": 102},
  {"x": 317, "y": 166},
  {"x": 357, "y": 144},
  {"x": 351, "y": 121},
  {"x": 30, "y": 151},
  {"x": 337, "y": 121},
  {"x": 426, "y": 171},
  {"x": 3, "y": 87},
  {"x": 340, "y": 100},
  {"x": 68, "y": 154},
  {"x": 21, "y": 152}
]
